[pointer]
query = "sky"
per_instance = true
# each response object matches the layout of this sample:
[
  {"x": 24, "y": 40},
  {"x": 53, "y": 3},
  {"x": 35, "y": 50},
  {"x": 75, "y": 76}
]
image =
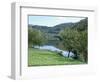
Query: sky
[{"x": 51, "y": 20}]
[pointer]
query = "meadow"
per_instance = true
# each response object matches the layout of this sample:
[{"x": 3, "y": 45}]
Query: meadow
[{"x": 37, "y": 57}]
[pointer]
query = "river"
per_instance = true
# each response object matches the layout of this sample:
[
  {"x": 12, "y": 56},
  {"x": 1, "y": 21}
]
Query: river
[{"x": 53, "y": 48}]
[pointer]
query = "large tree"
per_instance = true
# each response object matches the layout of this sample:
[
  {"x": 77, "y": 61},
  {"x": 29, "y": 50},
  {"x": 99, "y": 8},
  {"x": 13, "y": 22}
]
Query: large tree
[
  {"x": 74, "y": 40},
  {"x": 68, "y": 39}
]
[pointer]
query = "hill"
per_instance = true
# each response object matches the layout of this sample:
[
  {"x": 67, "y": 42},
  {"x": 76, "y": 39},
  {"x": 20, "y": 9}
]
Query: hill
[{"x": 52, "y": 33}]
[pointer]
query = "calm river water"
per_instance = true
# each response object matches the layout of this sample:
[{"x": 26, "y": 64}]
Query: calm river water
[{"x": 53, "y": 48}]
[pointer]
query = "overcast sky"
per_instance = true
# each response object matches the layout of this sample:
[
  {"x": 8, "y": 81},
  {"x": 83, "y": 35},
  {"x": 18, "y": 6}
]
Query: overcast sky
[{"x": 51, "y": 20}]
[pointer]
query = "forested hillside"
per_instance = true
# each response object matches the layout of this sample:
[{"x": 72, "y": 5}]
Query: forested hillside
[{"x": 52, "y": 33}]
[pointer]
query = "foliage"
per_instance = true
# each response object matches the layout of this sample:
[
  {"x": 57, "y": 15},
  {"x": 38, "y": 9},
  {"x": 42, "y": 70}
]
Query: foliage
[
  {"x": 82, "y": 25},
  {"x": 81, "y": 45},
  {"x": 75, "y": 39},
  {"x": 35, "y": 37},
  {"x": 69, "y": 37}
]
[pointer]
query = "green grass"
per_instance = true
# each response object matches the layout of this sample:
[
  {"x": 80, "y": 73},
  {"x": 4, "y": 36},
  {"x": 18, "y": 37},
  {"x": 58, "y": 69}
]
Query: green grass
[{"x": 38, "y": 57}]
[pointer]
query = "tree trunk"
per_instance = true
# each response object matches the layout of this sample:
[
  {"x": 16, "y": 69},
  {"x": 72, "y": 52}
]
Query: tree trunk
[
  {"x": 68, "y": 54},
  {"x": 85, "y": 57}
]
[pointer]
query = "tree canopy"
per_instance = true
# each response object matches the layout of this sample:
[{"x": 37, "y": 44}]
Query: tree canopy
[{"x": 35, "y": 37}]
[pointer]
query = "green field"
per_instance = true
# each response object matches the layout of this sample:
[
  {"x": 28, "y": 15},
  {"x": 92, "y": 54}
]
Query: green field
[{"x": 37, "y": 57}]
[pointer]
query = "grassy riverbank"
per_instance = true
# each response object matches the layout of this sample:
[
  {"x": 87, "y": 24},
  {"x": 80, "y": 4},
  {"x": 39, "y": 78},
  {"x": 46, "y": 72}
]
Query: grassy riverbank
[{"x": 37, "y": 57}]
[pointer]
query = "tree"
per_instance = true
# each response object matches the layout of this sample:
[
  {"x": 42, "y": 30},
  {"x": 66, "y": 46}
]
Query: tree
[
  {"x": 68, "y": 38},
  {"x": 74, "y": 40},
  {"x": 81, "y": 45},
  {"x": 35, "y": 37}
]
